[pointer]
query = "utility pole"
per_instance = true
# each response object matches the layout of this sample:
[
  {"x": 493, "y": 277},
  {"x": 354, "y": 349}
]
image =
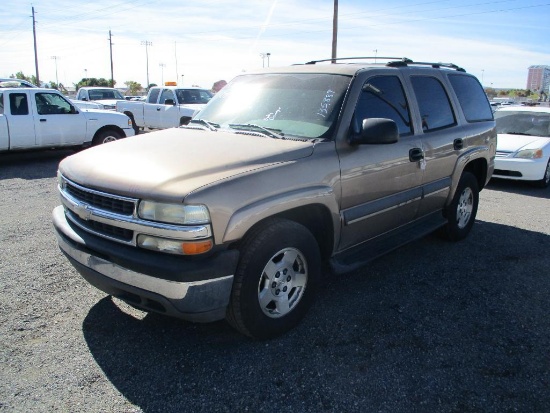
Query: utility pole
[
  {"x": 35, "y": 51},
  {"x": 162, "y": 66},
  {"x": 111, "y": 53},
  {"x": 334, "y": 31},
  {"x": 147, "y": 44},
  {"x": 56, "y": 58}
]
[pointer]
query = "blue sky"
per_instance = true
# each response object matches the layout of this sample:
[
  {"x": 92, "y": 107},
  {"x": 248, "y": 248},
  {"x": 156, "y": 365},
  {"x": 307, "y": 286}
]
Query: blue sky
[{"x": 208, "y": 40}]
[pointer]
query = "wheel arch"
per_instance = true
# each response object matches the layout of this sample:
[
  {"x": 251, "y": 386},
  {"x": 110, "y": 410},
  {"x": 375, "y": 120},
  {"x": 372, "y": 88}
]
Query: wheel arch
[
  {"x": 105, "y": 128},
  {"x": 316, "y": 218}
]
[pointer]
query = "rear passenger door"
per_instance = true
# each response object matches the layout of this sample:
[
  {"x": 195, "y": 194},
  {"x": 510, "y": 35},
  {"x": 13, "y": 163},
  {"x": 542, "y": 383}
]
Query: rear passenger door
[
  {"x": 441, "y": 140},
  {"x": 381, "y": 184},
  {"x": 20, "y": 121}
]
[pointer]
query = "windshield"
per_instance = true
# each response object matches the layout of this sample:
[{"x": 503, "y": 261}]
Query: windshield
[
  {"x": 523, "y": 123},
  {"x": 193, "y": 96},
  {"x": 298, "y": 105},
  {"x": 103, "y": 94}
]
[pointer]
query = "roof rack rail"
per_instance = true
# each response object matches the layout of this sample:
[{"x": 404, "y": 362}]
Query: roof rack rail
[
  {"x": 312, "y": 62},
  {"x": 437, "y": 65},
  {"x": 394, "y": 62}
]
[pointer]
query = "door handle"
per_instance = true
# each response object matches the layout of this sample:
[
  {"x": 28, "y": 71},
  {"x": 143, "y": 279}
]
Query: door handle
[
  {"x": 458, "y": 144},
  {"x": 158, "y": 109},
  {"x": 43, "y": 120},
  {"x": 416, "y": 154}
]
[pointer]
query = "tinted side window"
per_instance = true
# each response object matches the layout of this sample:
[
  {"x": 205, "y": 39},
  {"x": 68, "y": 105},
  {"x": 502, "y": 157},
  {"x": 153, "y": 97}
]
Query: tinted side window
[
  {"x": 19, "y": 104},
  {"x": 472, "y": 98},
  {"x": 166, "y": 94},
  {"x": 1, "y": 103},
  {"x": 153, "y": 96},
  {"x": 433, "y": 102},
  {"x": 383, "y": 97}
]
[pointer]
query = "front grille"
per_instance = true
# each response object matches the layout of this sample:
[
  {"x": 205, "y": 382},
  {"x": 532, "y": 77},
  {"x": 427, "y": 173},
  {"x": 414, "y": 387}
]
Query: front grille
[
  {"x": 502, "y": 172},
  {"x": 501, "y": 154},
  {"x": 107, "y": 230},
  {"x": 103, "y": 202}
]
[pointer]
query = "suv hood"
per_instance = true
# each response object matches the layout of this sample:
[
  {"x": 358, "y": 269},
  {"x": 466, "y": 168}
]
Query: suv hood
[{"x": 168, "y": 164}]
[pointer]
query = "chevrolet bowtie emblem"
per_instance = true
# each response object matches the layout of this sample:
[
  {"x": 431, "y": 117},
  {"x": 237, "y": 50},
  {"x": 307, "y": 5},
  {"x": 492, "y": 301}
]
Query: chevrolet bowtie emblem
[{"x": 83, "y": 212}]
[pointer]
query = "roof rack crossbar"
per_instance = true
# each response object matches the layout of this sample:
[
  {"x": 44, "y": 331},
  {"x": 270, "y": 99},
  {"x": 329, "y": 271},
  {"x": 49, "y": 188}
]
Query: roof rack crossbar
[
  {"x": 312, "y": 62},
  {"x": 432, "y": 64}
]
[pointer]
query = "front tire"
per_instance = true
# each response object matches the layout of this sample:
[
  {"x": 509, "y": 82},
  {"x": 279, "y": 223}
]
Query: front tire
[
  {"x": 545, "y": 181},
  {"x": 462, "y": 211},
  {"x": 106, "y": 136},
  {"x": 276, "y": 279}
]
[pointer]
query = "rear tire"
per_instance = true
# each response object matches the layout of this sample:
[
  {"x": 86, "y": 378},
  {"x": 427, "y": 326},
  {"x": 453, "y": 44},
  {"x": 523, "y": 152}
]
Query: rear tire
[
  {"x": 461, "y": 213},
  {"x": 276, "y": 279},
  {"x": 106, "y": 136}
]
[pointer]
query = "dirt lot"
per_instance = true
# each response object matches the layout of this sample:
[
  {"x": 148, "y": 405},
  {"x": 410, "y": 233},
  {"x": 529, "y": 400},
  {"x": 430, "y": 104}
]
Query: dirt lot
[{"x": 432, "y": 327}]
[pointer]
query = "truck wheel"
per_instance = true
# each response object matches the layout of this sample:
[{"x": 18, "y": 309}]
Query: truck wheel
[
  {"x": 134, "y": 126},
  {"x": 106, "y": 136},
  {"x": 276, "y": 279},
  {"x": 461, "y": 213},
  {"x": 545, "y": 181}
]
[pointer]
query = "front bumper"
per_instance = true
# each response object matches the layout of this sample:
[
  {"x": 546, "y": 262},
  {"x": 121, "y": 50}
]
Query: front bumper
[
  {"x": 520, "y": 169},
  {"x": 192, "y": 290}
]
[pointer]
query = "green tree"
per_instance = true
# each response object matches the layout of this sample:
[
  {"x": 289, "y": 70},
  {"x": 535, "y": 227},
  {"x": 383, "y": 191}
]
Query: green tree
[
  {"x": 92, "y": 81},
  {"x": 134, "y": 88},
  {"x": 22, "y": 76}
]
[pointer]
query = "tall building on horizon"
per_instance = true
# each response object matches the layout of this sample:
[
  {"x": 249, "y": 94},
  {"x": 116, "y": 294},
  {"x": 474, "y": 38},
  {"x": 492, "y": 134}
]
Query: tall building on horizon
[{"x": 538, "y": 78}]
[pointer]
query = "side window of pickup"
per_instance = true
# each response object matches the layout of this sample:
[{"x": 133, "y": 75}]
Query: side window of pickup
[
  {"x": 19, "y": 104},
  {"x": 165, "y": 95},
  {"x": 1, "y": 103},
  {"x": 383, "y": 97},
  {"x": 153, "y": 96},
  {"x": 433, "y": 102},
  {"x": 51, "y": 104}
]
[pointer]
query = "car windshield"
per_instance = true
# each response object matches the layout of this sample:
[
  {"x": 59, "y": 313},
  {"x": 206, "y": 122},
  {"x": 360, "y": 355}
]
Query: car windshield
[
  {"x": 193, "y": 96},
  {"x": 523, "y": 123},
  {"x": 104, "y": 94},
  {"x": 279, "y": 104}
]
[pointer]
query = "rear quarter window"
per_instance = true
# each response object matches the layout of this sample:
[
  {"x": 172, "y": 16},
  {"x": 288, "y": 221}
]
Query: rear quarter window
[{"x": 472, "y": 98}]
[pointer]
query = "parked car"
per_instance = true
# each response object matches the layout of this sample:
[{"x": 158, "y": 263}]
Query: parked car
[
  {"x": 6, "y": 82},
  {"x": 523, "y": 148},
  {"x": 107, "y": 96},
  {"x": 82, "y": 104},
  {"x": 284, "y": 169},
  {"x": 165, "y": 107},
  {"x": 33, "y": 118}
]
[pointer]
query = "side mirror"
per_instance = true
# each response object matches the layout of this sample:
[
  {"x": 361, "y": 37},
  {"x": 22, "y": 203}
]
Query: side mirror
[
  {"x": 84, "y": 98},
  {"x": 376, "y": 131},
  {"x": 170, "y": 102}
]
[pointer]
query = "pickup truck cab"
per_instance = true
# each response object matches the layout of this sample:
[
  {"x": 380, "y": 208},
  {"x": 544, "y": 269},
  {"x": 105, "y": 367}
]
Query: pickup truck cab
[
  {"x": 233, "y": 215},
  {"x": 32, "y": 118},
  {"x": 165, "y": 107},
  {"x": 107, "y": 96}
]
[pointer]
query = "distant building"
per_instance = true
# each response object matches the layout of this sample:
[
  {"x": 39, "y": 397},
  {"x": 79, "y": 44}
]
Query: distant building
[{"x": 538, "y": 78}]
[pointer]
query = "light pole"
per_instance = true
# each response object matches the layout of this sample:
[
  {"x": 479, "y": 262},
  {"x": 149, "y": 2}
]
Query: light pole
[
  {"x": 375, "y": 54},
  {"x": 56, "y": 58},
  {"x": 85, "y": 73},
  {"x": 482, "y": 73},
  {"x": 263, "y": 56},
  {"x": 147, "y": 44},
  {"x": 162, "y": 66}
]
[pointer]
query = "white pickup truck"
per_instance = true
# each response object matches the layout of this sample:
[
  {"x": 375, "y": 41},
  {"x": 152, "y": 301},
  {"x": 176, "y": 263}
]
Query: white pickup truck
[
  {"x": 33, "y": 118},
  {"x": 165, "y": 107}
]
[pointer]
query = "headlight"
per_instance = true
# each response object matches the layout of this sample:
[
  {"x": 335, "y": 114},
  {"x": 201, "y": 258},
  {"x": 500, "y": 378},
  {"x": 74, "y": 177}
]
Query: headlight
[
  {"x": 529, "y": 154},
  {"x": 174, "y": 213}
]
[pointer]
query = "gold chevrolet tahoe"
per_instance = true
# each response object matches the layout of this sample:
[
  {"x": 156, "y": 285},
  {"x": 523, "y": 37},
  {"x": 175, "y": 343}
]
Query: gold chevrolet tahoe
[{"x": 233, "y": 215}]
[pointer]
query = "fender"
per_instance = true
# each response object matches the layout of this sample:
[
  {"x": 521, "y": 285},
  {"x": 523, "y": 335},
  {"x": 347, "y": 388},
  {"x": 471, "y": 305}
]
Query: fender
[
  {"x": 246, "y": 217},
  {"x": 479, "y": 152}
]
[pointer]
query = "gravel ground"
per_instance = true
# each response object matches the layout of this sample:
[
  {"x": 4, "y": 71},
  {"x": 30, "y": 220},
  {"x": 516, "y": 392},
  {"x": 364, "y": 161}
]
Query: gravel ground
[{"x": 432, "y": 327}]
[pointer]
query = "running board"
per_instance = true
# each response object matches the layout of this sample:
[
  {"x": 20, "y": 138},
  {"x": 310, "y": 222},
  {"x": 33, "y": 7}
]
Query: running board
[{"x": 360, "y": 255}]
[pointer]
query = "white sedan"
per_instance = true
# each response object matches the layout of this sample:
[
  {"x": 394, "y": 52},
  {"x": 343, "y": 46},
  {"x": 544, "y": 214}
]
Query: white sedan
[{"x": 523, "y": 146}]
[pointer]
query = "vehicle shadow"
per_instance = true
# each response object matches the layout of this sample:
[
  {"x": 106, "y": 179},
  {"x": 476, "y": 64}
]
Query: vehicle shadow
[
  {"x": 446, "y": 326},
  {"x": 32, "y": 165},
  {"x": 518, "y": 187}
]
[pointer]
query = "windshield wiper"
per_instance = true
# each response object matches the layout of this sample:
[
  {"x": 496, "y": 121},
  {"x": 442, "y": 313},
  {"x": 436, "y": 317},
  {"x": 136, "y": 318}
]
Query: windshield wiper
[
  {"x": 211, "y": 126},
  {"x": 273, "y": 133}
]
